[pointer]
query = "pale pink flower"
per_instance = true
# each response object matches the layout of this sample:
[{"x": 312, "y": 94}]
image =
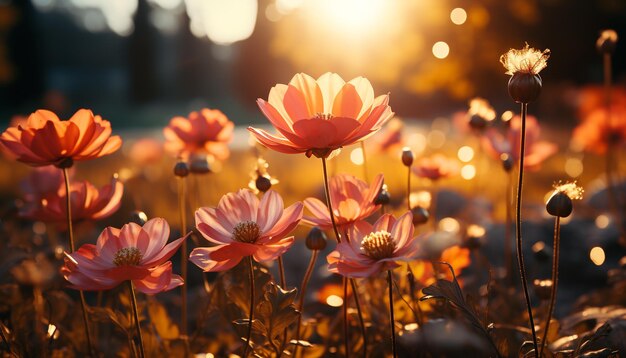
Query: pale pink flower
[
  {"x": 132, "y": 253},
  {"x": 242, "y": 225},
  {"x": 316, "y": 117},
  {"x": 373, "y": 249},
  {"x": 352, "y": 200},
  {"x": 497, "y": 144},
  {"x": 436, "y": 167}
]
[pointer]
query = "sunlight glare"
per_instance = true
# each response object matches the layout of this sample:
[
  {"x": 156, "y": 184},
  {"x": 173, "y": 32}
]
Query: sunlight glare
[
  {"x": 334, "y": 301},
  {"x": 465, "y": 153},
  {"x": 356, "y": 156},
  {"x": 597, "y": 256},
  {"x": 458, "y": 16},
  {"x": 468, "y": 172},
  {"x": 352, "y": 15},
  {"x": 441, "y": 50}
]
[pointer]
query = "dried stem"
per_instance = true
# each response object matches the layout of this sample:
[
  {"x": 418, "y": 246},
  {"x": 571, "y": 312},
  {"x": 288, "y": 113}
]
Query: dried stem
[
  {"x": 183, "y": 254},
  {"x": 359, "y": 311},
  {"x": 508, "y": 243},
  {"x": 70, "y": 231},
  {"x": 518, "y": 229},
  {"x": 555, "y": 280},
  {"x": 133, "y": 301},
  {"x": 281, "y": 272},
  {"x": 249, "y": 335},
  {"x": 305, "y": 282},
  {"x": 346, "y": 338},
  {"x": 408, "y": 188},
  {"x": 391, "y": 317}
]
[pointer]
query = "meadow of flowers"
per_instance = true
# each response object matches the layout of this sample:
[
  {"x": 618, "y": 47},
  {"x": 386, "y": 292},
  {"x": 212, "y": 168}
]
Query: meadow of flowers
[{"x": 284, "y": 247}]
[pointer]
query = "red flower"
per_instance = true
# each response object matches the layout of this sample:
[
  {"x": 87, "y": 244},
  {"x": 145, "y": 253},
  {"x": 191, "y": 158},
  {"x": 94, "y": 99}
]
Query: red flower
[
  {"x": 208, "y": 131},
  {"x": 436, "y": 167},
  {"x": 593, "y": 134},
  {"x": 352, "y": 200},
  {"x": 241, "y": 226},
  {"x": 318, "y": 116},
  {"x": 46, "y": 140},
  {"x": 373, "y": 249},
  {"x": 133, "y": 252}
]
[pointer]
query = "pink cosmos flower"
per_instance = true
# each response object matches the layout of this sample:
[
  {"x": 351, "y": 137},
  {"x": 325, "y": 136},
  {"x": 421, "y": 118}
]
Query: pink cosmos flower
[
  {"x": 497, "y": 144},
  {"x": 436, "y": 167},
  {"x": 207, "y": 130},
  {"x": 42, "y": 181},
  {"x": 242, "y": 225},
  {"x": 373, "y": 249},
  {"x": 133, "y": 252},
  {"x": 352, "y": 200},
  {"x": 319, "y": 116},
  {"x": 87, "y": 202},
  {"x": 46, "y": 140}
]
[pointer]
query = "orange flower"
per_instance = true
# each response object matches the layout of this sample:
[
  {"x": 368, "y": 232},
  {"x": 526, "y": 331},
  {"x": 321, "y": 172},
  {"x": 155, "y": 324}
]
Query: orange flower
[
  {"x": 132, "y": 253},
  {"x": 146, "y": 151},
  {"x": 593, "y": 134},
  {"x": 46, "y": 140},
  {"x": 436, "y": 167},
  {"x": 497, "y": 144},
  {"x": 208, "y": 130},
  {"x": 318, "y": 116},
  {"x": 88, "y": 202}
]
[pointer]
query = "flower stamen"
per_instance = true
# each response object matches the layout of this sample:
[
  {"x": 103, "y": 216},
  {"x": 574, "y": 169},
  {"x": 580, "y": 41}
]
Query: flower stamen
[
  {"x": 127, "y": 256},
  {"x": 247, "y": 232},
  {"x": 378, "y": 245}
]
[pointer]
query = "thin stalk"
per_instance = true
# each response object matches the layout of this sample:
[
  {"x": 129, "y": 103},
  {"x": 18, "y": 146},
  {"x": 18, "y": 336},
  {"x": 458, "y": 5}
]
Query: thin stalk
[
  {"x": 183, "y": 254},
  {"x": 133, "y": 301},
  {"x": 359, "y": 312},
  {"x": 518, "y": 229},
  {"x": 365, "y": 171},
  {"x": 249, "y": 335},
  {"x": 408, "y": 188},
  {"x": 70, "y": 231},
  {"x": 329, "y": 202},
  {"x": 555, "y": 280},
  {"x": 305, "y": 282},
  {"x": 346, "y": 338},
  {"x": 281, "y": 272},
  {"x": 391, "y": 317},
  {"x": 433, "y": 205},
  {"x": 508, "y": 243}
]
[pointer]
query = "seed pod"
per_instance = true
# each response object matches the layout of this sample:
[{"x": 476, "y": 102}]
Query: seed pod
[
  {"x": 200, "y": 165},
  {"x": 65, "y": 163},
  {"x": 524, "y": 87},
  {"x": 383, "y": 197},
  {"x": 541, "y": 251},
  {"x": 181, "y": 169},
  {"x": 262, "y": 183},
  {"x": 507, "y": 162},
  {"x": 607, "y": 41},
  {"x": 420, "y": 215},
  {"x": 407, "y": 156},
  {"x": 477, "y": 122},
  {"x": 138, "y": 217},
  {"x": 559, "y": 204},
  {"x": 316, "y": 239}
]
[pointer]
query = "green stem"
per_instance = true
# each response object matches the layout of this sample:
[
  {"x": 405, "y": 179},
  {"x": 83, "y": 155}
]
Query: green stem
[
  {"x": 305, "y": 282},
  {"x": 70, "y": 230},
  {"x": 391, "y": 316},
  {"x": 133, "y": 301},
  {"x": 518, "y": 229},
  {"x": 555, "y": 280},
  {"x": 249, "y": 335}
]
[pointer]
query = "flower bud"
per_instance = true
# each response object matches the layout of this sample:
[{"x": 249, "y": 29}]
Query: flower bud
[
  {"x": 477, "y": 122},
  {"x": 138, "y": 217},
  {"x": 607, "y": 41},
  {"x": 420, "y": 215},
  {"x": 541, "y": 251},
  {"x": 316, "y": 239},
  {"x": 200, "y": 165},
  {"x": 65, "y": 163},
  {"x": 263, "y": 183},
  {"x": 543, "y": 288},
  {"x": 524, "y": 87},
  {"x": 559, "y": 204},
  {"x": 383, "y": 197},
  {"x": 407, "y": 156},
  {"x": 507, "y": 162},
  {"x": 181, "y": 169}
]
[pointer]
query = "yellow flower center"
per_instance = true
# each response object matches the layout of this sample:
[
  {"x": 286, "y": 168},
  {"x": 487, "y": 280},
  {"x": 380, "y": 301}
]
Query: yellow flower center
[
  {"x": 378, "y": 245},
  {"x": 127, "y": 256},
  {"x": 246, "y": 231},
  {"x": 326, "y": 116}
]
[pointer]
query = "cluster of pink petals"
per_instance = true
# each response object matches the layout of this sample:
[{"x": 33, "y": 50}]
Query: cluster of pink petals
[
  {"x": 350, "y": 259},
  {"x": 436, "y": 167},
  {"x": 46, "y": 140},
  {"x": 207, "y": 131},
  {"x": 218, "y": 225},
  {"x": 146, "y": 151},
  {"x": 536, "y": 151},
  {"x": 352, "y": 200},
  {"x": 318, "y": 116},
  {"x": 93, "y": 267},
  {"x": 87, "y": 202}
]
